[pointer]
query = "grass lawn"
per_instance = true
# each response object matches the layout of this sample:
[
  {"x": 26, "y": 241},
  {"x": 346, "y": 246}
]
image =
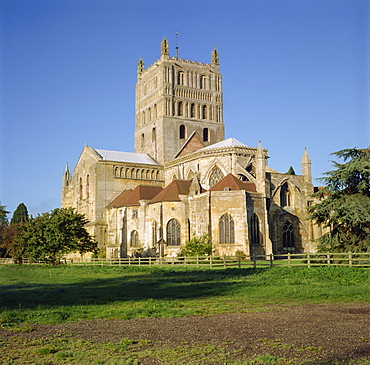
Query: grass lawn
[{"x": 46, "y": 295}]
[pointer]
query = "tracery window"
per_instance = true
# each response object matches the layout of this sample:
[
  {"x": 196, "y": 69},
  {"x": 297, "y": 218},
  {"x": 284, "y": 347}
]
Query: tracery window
[
  {"x": 255, "y": 230},
  {"x": 134, "y": 239},
  {"x": 285, "y": 195},
  {"x": 173, "y": 232},
  {"x": 226, "y": 228},
  {"x": 288, "y": 237},
  {"x": 215, "y": 176}
]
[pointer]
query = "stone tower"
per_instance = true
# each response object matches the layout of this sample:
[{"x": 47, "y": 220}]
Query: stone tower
[{"x": 174, "y": 98}]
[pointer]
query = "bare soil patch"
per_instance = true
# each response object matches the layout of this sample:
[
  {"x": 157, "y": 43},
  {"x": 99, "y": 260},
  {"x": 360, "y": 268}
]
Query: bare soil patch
[{"x": 330, "y": 333}]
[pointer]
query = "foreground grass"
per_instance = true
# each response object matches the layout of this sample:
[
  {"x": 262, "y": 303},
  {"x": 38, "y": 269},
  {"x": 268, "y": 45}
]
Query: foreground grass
[{"x": 38, "y": 294}]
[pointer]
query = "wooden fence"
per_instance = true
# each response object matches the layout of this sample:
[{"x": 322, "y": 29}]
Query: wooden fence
[{"x": 289, "y": 259}]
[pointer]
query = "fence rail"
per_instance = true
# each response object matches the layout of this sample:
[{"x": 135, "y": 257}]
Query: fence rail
[{"x": 289, "y": 259}]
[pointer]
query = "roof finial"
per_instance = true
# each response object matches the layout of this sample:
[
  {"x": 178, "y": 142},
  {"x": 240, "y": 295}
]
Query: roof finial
[{"x": 177, "y": 47}]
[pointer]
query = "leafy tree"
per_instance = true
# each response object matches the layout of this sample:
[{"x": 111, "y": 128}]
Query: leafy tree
[
  {"x": 344, "y": 203},
  {"x": 7, "y": 237},
  {"x": 197, "y": 246},
  {"x": 20, "y": 214},
  {"x": 51, "y": 235},
  {"x": 290, "y": 171},
  {"x": 3, "y": 217}
]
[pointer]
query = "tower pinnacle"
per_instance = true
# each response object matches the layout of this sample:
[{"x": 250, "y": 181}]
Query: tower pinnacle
[
  {"x": 164, "y": 47},
  {"x": 215, "y": 60},
  {"x": 140, "y": 67}
]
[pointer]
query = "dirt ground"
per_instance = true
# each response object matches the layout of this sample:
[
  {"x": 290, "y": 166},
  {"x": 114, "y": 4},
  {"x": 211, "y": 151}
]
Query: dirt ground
[{"x": 330, "y": 333}]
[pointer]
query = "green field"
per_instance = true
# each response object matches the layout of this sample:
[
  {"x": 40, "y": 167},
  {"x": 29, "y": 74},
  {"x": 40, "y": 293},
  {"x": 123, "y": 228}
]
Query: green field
[{"x": 47, "y": 295}]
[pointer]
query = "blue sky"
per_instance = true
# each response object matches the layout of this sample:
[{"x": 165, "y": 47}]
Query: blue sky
[{"x": 295, "y": 75}]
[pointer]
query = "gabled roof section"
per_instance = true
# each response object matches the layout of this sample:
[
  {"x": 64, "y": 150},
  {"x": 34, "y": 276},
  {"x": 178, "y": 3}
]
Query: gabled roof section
[
  {"x": 132, "y": 197},
  {"x": 172, "y": 192},
  {"x": 121, "y": 156},
  {"x": 230, "y": 182},
  {"x": 194, "y": 143},
  {"x": 230, "y": 142}
]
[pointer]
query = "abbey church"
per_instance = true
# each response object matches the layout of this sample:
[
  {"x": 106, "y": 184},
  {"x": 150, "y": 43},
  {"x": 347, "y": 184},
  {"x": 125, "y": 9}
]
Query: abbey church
[{"x": 185, "y": 179}]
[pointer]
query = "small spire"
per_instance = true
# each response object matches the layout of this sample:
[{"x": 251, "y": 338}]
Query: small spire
[
  {"x": 164, "y": 47},
  {"x": 215, "y": 60},
  {"x": 305, "y": 157},
  {"x": 140, "y": 67},
  {"x": 259, "y": 150}
]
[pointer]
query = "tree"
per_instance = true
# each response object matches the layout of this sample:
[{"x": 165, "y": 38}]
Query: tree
[
  {"x": 3, "y": 217},
  {"x": 197, "y": 246},
  {"x": 344, "y": 203},
  {"x": 51, "y": 235},
  {"x": 20, "y": 214}
]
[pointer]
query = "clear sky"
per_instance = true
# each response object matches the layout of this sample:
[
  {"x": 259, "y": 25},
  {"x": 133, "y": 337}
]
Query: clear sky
[{"x": 295, "y": 75}]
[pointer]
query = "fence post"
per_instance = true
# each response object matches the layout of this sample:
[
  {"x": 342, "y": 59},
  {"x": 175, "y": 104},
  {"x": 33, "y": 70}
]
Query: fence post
[
  {"x": 254, "y": 261},
  {"x": 288, "y": 259},
  {"x": 271, "y": 260},
  {"x": 239, "y": 265},
  {"x": 328, "y": 259},
  {"x": 308, "y": 260},
  {"x": 350, "y": 258},
  {"x": 197, "y": 261}
]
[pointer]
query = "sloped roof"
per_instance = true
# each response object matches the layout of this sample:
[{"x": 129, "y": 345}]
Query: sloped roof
[
  {"x": 194, "y": 143},
  {"x": 121, "y": 156},
  {"x": 233, "y": 183},
  {"x": 131, "y": 197},
  {"x": 230, "y": 142},
  {"x": 172, "y": 192}
]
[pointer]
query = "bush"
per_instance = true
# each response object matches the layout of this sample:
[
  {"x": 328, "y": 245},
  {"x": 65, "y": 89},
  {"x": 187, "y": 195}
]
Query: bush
[{"x": 197, "y": 246}]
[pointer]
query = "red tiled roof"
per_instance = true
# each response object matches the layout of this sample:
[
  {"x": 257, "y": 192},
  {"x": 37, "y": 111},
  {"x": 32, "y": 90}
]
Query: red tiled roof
[
  {"x": 132, "y": 197},
  {"x": 233, "y": 183},
  {"x": 172, "y": 192}
]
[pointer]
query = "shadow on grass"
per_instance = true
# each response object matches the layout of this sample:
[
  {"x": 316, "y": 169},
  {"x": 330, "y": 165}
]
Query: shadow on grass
[{"x": 163, "y": 284}]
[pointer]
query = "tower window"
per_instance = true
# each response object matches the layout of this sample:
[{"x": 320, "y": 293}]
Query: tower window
[
  {"x": 204, "y": 112},
  {"x": 205, "y": 135},
  {"x": 182, "y": 131},
  {"x": 226, "y": 227},
  {"x": 192, "y": 110},
  {"x": 180, "y": 78},
  {"x": 154, "y": 135},
  {"x": 142, "y": 141},
  {"x": 203, "y": 82},
  {"x": 180, "y": 109}
]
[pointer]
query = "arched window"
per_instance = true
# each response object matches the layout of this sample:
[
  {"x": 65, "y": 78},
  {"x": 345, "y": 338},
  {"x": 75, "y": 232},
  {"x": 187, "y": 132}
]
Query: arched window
[
  {"x": 180, "y": 78},
  {"x": 142, "y": 118},
  {"x": 180, "y": 109},
  {"x": 204, "y": 112},
  {"x": 203, "y": 82},
  {"x": 255, "y": 230},
  {"x": 182, "y": 131},
  {"x": 87, "y": 186},
  {"x": 215, "y": 176},
  {"x": 81, "y": 189},
  {"x": 142, "y": 140},
  {"x": 284, "y": 195},
  {"x": 288, "y": 237},
  {"x": 226, "y": 226},
  {"x": 205, "y": 135},
  {"x": 192, "y": 110},
  {"x": 134, "y": 239},
  {"x": 173, "y": 233},
  {"x": 149, "y": 115},
  {"x": 154, "y": 135},
  {"x": 155, "y": 111}
]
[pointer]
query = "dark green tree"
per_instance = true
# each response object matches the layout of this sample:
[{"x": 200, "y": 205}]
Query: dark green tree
[
  {"x": 197, "y": 246},
  {"x": 290, "y": 171},
  {"x": 344, "y": 203},
  {"x": 3, "y": 217},
  {"x": 50, "y": 236},
  {"x": 20, "y": 214}
]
